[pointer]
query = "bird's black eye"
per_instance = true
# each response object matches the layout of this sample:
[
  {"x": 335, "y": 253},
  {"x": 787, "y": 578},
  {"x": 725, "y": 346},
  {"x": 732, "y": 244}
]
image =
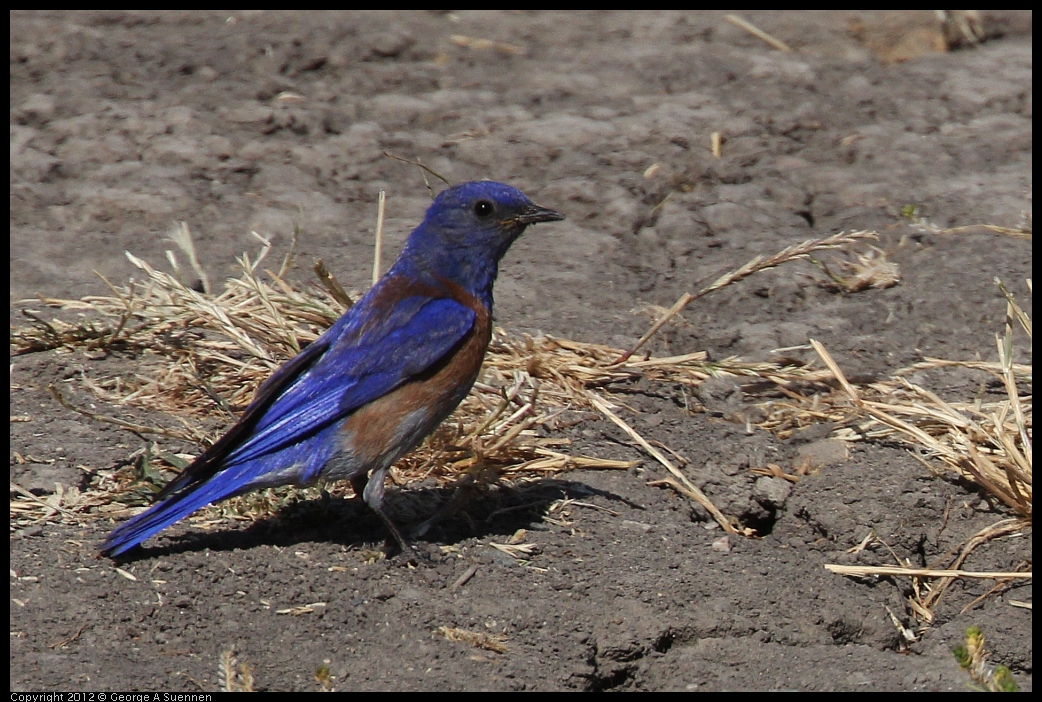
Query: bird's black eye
[{"x": 483, "y": 208}]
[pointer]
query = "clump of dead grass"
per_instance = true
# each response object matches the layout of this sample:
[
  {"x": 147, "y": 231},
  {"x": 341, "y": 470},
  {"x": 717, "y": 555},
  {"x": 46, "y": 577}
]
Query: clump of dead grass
[
  {"x": 985, "y": 442},
  {"x": 478, "y": 639}
]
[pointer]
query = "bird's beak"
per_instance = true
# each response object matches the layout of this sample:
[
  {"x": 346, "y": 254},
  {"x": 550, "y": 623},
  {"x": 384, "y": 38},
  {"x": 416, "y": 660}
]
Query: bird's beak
[{"x": 535, "y": 213}]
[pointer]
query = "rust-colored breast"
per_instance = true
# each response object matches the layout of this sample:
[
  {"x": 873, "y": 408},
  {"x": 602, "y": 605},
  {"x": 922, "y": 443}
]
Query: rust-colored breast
[{"x": 382, "y": 431}]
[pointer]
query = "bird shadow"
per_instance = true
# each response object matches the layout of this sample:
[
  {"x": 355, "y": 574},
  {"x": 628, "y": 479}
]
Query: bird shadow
[{"x": 437, "y": 516}]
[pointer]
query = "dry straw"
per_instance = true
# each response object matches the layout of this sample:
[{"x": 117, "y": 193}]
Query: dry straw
[{"x": 985, "y": 442}]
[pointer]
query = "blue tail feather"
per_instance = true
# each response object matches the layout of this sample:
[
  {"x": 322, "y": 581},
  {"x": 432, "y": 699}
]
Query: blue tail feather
[
  {"x": 304, "y": 459},
  {"x": 160, "y": 516}
]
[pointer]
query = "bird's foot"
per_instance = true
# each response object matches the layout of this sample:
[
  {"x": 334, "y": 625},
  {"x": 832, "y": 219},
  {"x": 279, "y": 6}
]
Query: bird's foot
[{"x": 410, "y": 556}]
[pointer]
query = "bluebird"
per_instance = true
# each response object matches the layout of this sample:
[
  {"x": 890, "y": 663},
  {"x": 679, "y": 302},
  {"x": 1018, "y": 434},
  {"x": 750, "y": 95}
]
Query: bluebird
[{"x": 376, "y": 382}]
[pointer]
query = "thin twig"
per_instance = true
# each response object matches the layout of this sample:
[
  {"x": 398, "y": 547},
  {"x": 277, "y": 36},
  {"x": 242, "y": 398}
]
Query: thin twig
[
  {"x": 689, "y": 488},
  {"x": 417, "y": 163},
  {"x": 25, "y": 493},
  {"x": 864, "y": 571},
  {"x": 791, "y": 253},
  {"x": 758, "y": 33},
  {"x": 378, "y": 251}
]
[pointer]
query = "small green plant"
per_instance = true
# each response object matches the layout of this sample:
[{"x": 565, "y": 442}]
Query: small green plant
[
  {"x": 972, "y": 657},
  {"x": 323, "y": 676}
]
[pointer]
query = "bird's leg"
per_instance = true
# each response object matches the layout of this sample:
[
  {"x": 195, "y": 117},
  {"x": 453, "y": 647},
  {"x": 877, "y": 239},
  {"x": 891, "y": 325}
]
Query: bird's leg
[
  {"x": 373, "y": 493},
  {"x": 403, "y": 545}
]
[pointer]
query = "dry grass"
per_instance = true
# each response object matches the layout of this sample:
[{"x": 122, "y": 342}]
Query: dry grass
[
  {"x": 802, "y": 250},
  {"x": 987, "y": 443},
  {"x": 478, "y": 639}
]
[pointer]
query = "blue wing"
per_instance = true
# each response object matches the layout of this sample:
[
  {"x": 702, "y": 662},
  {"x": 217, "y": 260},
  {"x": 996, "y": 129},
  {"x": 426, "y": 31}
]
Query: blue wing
[
  {"x": 288, "y": 432},
  {"x": 349, "y": 375}
]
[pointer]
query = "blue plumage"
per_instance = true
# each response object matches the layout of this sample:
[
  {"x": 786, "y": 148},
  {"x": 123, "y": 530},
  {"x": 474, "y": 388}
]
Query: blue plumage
[{"x": 376, "y": 382}]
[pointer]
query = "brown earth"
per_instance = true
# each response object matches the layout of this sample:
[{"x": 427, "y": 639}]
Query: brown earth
[{"x": 122, "y": 123}]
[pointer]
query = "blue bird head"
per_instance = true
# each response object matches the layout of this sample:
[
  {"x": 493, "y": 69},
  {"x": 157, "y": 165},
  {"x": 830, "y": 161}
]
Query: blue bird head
[{"x": 468, "y": 229}]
